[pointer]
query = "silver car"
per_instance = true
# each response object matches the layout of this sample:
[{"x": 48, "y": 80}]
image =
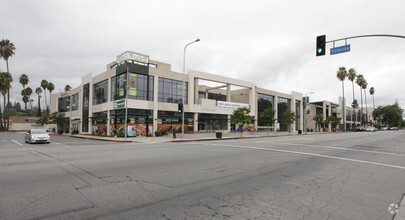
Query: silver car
[{"x": 37, "y": 136}]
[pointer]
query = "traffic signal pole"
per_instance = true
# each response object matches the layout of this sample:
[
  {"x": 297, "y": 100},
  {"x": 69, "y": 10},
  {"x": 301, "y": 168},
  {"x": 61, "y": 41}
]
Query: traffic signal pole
[{"x": 321, "y": 41}]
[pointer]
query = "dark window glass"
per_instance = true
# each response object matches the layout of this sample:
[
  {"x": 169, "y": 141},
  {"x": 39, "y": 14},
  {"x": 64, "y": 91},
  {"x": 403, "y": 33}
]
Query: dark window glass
[
  {"x": 64, "y": 104},
  {"x": 85, "y": 113},
  {"x": 100, "y": 92},
  {"x": 137, "y": 87},
  {"x": 75, "y": 102},
  {"x": 263, "y": 102},
  {"x": 171, "y": 91},
  {"x": 283, "y": 105}
]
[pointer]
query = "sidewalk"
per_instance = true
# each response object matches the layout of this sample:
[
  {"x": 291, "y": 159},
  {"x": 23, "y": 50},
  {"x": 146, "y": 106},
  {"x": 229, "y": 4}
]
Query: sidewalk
[{"x": 187, "y": 137}]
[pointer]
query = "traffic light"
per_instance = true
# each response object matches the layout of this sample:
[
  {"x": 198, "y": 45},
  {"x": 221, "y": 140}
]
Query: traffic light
[
  {"x": 180, "y": 109},
  {"x": 320, "y": 45}
]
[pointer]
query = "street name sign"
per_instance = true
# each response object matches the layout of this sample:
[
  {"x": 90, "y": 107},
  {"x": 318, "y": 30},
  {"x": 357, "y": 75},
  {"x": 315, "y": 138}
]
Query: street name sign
[{"x": 342, "y": 49}]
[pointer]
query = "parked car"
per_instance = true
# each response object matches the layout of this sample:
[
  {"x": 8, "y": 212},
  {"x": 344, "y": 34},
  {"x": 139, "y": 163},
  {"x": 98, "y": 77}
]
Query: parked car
[
  {"x": 384, "y": 129},
  {"x": 360, "y": 128},
  {"x": 371, "y": 129},
  {"x": 394, "y": 128},
  {"x": 37, "y": 136}
]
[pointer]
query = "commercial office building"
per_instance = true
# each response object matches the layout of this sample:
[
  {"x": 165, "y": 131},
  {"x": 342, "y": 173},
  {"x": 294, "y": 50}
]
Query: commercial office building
[{"x": 154, "y": 91}]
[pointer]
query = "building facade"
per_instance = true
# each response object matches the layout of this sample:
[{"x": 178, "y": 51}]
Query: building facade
[
  {"x": 98, "y": 105},
  {"x": 354, "y": 117}
]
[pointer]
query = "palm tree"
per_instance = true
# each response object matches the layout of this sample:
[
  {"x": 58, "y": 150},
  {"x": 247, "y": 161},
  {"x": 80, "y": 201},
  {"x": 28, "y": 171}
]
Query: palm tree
[
  {"x": 364, "y": 86},
  {"x": 5, "y": 84},
  {"x": 44, "y": 85},
  {"x": 24, "y": 81},
  {"x": 372, "y": 93},
  {"x": 68, "y": 88},
  {"x": 38, "y": 91},
  {"x": 28, "y": 92},
  {"x": 6, "y": 50},
  {"x": 351, "y": 75},
  {"x": 355, "y": 105},
  {"x": 51, "y": 87},
  {"x": 359, "y": 82},
  {"x": 341, "y": 75}
]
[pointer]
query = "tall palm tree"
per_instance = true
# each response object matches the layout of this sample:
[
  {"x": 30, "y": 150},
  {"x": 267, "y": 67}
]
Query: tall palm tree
[
  {"x": 6, "y": 50},
  {"x": 5, "y": 84},
  {"x": 359, "y": 82},
  {"x": 355, "y": 105},
  {"x": 44, "y": 85},
  {"x": 28, "y": 92},
  {"x": 51, "y": 87},
  {"x": 372, "y": 93},
  {"x": 68, "y": 88},
  {"x": 38, "y": 91},
  {"x": 341, "y": 75},
  {"x": 24, "y": 81},
  {"x": 364, "y": 86},
  {"x": 351, "y": 75}
]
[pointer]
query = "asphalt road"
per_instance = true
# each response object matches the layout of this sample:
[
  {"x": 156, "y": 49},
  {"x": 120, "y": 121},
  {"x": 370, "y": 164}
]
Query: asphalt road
[{"x": 327, "y": 176}]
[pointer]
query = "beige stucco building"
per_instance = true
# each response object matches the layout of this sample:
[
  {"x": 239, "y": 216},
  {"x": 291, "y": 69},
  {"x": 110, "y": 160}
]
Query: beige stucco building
[{"x": 154, "y": 92}]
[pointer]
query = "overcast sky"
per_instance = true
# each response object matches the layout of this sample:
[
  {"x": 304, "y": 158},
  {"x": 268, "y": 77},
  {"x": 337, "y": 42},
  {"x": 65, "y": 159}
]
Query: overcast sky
[{"x": 270, "y": 43}]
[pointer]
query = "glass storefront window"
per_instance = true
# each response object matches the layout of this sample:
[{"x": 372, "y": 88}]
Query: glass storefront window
[
  {"x": 85, "y": 112},
  {"x": 282, "y": 106},
  {"x": 297, "y": 114},
  {"x": 263, "y": 102},
  {"x": 171, "y": 91},
  {"x": 138, "y": 87},
  {"x": 212, "y": 122},
  {"x": 64, "y": 104},
  {"x": 75, "y": 102},
  {"x": 100, "y": 92}
]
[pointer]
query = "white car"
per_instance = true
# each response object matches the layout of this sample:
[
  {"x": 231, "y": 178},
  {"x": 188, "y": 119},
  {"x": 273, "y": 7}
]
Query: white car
[
  {"x": 37, "y": 136},
  {"x": 371, "y": 129}
]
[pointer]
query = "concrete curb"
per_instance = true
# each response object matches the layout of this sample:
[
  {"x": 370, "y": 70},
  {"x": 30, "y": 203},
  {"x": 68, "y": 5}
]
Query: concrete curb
[{"x": 91, "y": 138}]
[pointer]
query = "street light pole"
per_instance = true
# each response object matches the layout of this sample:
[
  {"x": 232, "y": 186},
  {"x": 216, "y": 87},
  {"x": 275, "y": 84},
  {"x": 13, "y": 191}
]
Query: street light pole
[
  {"x": 305, "y": 111},
  {"x": 184, "y": 87}
]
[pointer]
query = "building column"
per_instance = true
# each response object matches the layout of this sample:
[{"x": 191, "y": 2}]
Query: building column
[
  {"x": 195, "y": 91},
  {"x": 108, "y": 123},
  {"x": 275, "y": 107},
  {"x": 228, "y": 92},
  {"x": 155, "y": 104},
  {"x": 195, "y": 121},
  {"x": 292, "y": 108}
]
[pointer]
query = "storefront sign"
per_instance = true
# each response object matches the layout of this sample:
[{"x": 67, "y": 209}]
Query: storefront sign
[
  {"x": 232, "y": 104},
  {"x": 119, "y": 104},
  {"x": 129, "y": 56}
]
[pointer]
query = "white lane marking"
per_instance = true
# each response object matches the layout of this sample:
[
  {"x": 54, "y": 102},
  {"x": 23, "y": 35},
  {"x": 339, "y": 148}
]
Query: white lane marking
[
  {"x": 311, "y": 154},
  {"x": 16, "y": 142},
  {"x": 343, "y": 148}
]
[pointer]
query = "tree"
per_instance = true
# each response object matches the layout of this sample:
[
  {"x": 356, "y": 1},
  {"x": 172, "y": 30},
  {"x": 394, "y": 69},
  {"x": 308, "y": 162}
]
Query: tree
[
  {"x": 6, "y": 50},
  {"x": 334, "y": 121},
  {"x": 44, "y": 119},
  {"x": 355, "y": 105},
  {"x": 391, "y": 114},
  {"x": 24, "y": 81},
  {"x": 67, "y": 88},
  {"x": 59, "y": 119},
  {"x": 51, "y": 87},
  {"x": 28, "y": 91},
  {"x": 241, "y": 117},
  {"x": 359, "y": 82},
  {"x": 44, "y": 85},
  {"x": 289, "y": 118},
  {"x": 351, "y": 75},
  {"x": 364, "y": 87},
  {"x": 5, "y": 85},
  {"x": 372, "y": 93},
  {"x": 319, "y": 120},
  {"x": 341, "y": 75},
  {"x": 268, "y": 116},
  {"x": 38, "y": 91}
]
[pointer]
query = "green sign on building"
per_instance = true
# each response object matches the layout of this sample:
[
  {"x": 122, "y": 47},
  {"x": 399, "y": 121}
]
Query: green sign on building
[{"x": 119, "y": 104}]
